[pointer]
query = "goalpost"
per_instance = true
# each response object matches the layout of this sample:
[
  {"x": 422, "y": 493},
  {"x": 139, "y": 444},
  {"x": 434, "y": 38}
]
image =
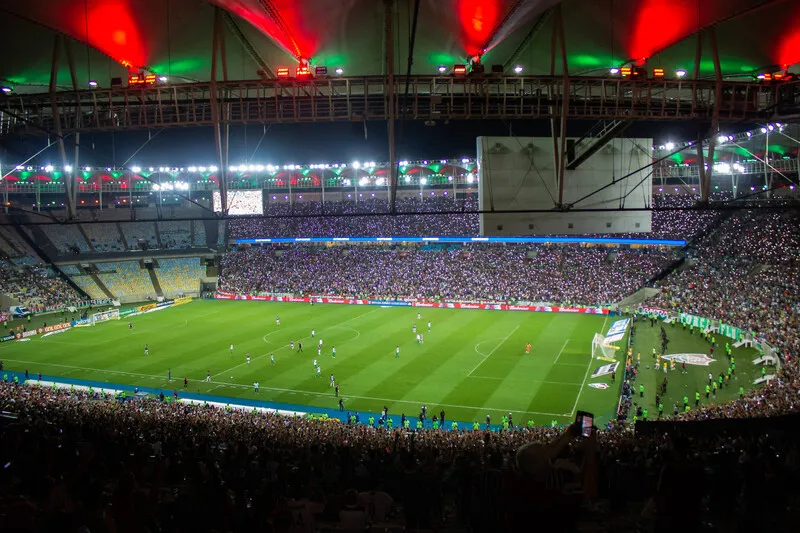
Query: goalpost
[
  {"x": 104, "y": 316},
  {"x": 601, "y": 350}
]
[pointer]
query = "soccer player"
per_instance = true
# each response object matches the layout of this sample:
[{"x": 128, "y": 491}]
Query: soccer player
[
  {"x": 336, "y": 389},
  {"x": 419, "y": 341},
  {"x": 319, "y": 371},
  {"x": 429, "y": 326},
  {"x": 419, "y": 316},
  {"x": 299, "y": 347},
  {"x": 248, "y": 358},
  {"x": 231, "y": 349},
  {"x": 319, "y": 351},
  {"x": 208, "y": 376},
  {"x": 414, "y": 329},
  {"x": 185, "y": 382},
  {"x": 146, "y": 350},
  {"x": 397, "y": 352},
  {"x": 277, "y": 321},
  {"x": 255, "y": 386},
  {"x": 421, "y": 338},
  {"x": 313, "y": 333},
  {"x": 528, "y": 348},
  {"x": 334, "y": 352},
  {"x": 320, "y": 343},
  {"x": 315, "y": 364},
  {"x": 130, "y": 326},
  {"x": 291, "y": 345},
  {"x": 333, "y": 381},
  {"x": 169, "y": 374},
  {"x": 272, "y": 359}
]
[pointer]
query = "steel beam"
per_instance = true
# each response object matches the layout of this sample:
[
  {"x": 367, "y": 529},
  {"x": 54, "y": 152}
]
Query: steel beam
[
  {"x": 69, "y": 183},
  {"x": 216, "y": 111},
  {"x": 705, "y": 185},
  {"x": 564, "y": 105},
  {"x": 391, "y": 100},
  {"x": 342, "y": 99},
  {"x": 533, "y": 32}
]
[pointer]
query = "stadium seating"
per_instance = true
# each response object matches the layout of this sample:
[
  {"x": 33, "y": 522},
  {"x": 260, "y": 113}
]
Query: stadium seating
[
  {"x": 135, "y": 231},
  {"x": 66, "y": 238},
  {"x": 104, "y": 237},
  {"x": 36, "y": 287},
  {"x": 180, "y": 275},
  {"x": 126, "y": 279},
  {"x": 88, "y": 285},
  {"x": 199, "y": 236},
  {"x": 175, "y": 235}
]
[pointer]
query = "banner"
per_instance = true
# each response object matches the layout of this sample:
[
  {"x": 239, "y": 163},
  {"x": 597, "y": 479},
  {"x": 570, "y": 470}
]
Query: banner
[
  {"x": 126, "y": 312},
  {"x": 618, "y": 328},
  {"x": 490, "y": 306},
  {"x": 462, "y": 240},
  {"x": 55, "y": 327},
  {"x": 698, "y": 359},
  {"x": 183, "y": 300},
  {"x": 147, "y": 307},
  {"x": 7, "y": 338},
  {"x": 657, "y": 311},
  {"x": 605, "y": 369}
]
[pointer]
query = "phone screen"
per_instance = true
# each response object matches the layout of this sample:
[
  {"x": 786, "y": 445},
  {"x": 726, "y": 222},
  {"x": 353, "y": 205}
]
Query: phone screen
[{"x": 586, "y": 422}]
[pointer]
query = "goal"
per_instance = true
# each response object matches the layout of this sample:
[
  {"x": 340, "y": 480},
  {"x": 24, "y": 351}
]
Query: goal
[
  {"x": 104, "y": 316},
  {"x": 602, "y": 350}
]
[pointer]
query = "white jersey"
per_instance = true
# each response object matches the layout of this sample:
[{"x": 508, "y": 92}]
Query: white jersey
[
  {"x": 319, "y": 352},
  {"x": 312, "y": 333},
  {"x": 419, "y": 337},
  {"x": 419, "y": 316},
  {"x": 320, "y": 342},
  {"x": 231, "y": 347},
  {"x": 277, "y": 321},
  {"x": 315, "y": 363},
  {"x": 429, "y": 326}
]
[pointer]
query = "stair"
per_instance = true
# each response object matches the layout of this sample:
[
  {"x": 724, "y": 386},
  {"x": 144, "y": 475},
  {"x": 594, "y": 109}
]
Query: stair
[
  {"x": 11, "y": 244},
  {"x": 100, "y": 284},
  {"x": 158, "y": 235},
  {"x": 122, "y": 237},
  {"x": 597, "y": 137},
  {"x": 156, "y": 284},
  {"x": 86, "y": 237}
]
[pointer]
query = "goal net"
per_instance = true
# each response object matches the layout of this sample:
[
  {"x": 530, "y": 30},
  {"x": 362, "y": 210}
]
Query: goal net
[
  {"x": 104, "y": 316},
  {"x": 602, "y": 350}
]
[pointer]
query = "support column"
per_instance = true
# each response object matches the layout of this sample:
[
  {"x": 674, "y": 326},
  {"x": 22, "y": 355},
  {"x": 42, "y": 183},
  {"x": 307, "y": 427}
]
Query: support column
[
  {"x": 564, "y": 105},
  {"x": 767, "y": 177},
  {"x": 554, "y": 108},
  {"x": 390, "y": 101},
  {"x": 69, "y": 185},
  {"x": 705, "y": 190},
  {"x": 216, "y": 112}
]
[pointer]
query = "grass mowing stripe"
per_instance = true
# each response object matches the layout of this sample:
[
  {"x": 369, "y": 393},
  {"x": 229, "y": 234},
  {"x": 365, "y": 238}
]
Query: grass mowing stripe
[{"x": 485, "y": 357}]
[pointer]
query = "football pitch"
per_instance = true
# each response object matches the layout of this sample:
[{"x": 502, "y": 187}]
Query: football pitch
[{"x": 471, "y": 363}]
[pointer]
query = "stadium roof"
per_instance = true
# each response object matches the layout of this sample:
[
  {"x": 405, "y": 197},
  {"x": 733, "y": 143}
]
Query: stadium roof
[{"x": 174, "y": 37}]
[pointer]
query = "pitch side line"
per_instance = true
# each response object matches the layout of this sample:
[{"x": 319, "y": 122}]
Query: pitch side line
[
  {"x": 300, "y": 339},
  {"x": 218, "y": 384},
  {"x": 586, "y": 376},
  {"x": 503, "y": 340}
]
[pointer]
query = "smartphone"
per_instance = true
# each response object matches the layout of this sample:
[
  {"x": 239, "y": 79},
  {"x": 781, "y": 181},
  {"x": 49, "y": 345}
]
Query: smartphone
[{"x": 585, "y": 422}]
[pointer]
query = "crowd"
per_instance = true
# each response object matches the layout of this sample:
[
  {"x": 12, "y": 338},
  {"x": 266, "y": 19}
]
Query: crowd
[
  {"x": 340, "y": 219},
  {"x": 561, "y": 274},
  {"x": 747, "y": 274},
  {"x": 35, "y": 287},
  {"x": 81, "y": 462}
]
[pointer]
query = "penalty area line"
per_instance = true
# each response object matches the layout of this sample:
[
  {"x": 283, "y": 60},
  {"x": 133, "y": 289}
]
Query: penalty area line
[{"x": 586, "y": 376}]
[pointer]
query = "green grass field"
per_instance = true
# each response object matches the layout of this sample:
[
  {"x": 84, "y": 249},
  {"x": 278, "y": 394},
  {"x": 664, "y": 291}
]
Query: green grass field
[
  {"x": 696, "y": 377},
  {"x": 472, "y": 363}
]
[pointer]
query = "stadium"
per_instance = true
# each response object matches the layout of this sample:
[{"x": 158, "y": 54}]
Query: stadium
[{"x": 399, "y": 265}]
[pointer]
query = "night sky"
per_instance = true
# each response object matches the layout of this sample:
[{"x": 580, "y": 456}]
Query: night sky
[{"x": 309, "y": 143}]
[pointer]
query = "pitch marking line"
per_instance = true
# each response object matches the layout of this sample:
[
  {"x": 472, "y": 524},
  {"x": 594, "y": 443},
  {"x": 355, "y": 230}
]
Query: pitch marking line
[
  {"x": 301, "y": 339},
  {"x": 290, "y": 391},
  {"x": 586, "y": 376},
  {"x": 485, "y": 357},
  {"x": 561, "y": 351},
  {"x": 567, "y": 383}
]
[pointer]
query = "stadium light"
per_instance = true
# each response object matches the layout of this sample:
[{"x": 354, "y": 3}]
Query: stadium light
[
  {"x": 201, "y": 169},
  {"x": 518, "y": 69},
  {"x": 136, "y": 170},
  {"x": 356, "y": 164},
  {"x": 68, "y": 168},
  {"x": 669, "y": 146},
  {"x": 470, "y": 178},
  {"x": 763, "y": 130},
  {"x": 6, "y": 89},
  {"x": 423, "y": 181},
  {"x": 613, "y": 70},
  {"x": 722, "y": 139},
  {"x": 363, "y": 182},
  {"x": 192, "y": 169},
  {"x": 407, "y": 178},
  {"x": 92, "y": 83},
  {"x": 162, "y": 79},
  {"x": 48, "y": 168},
  {"x": 87, "y": 169},
  {"x": 442, "y": 69},
  {"x": 680, "y": 73},
  {"x": 339, "y": 71}
]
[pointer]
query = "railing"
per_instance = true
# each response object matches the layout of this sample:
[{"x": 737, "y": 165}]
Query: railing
[
  {"x": 431, "y": 98},
  {"x": 783, "y": 166}
]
